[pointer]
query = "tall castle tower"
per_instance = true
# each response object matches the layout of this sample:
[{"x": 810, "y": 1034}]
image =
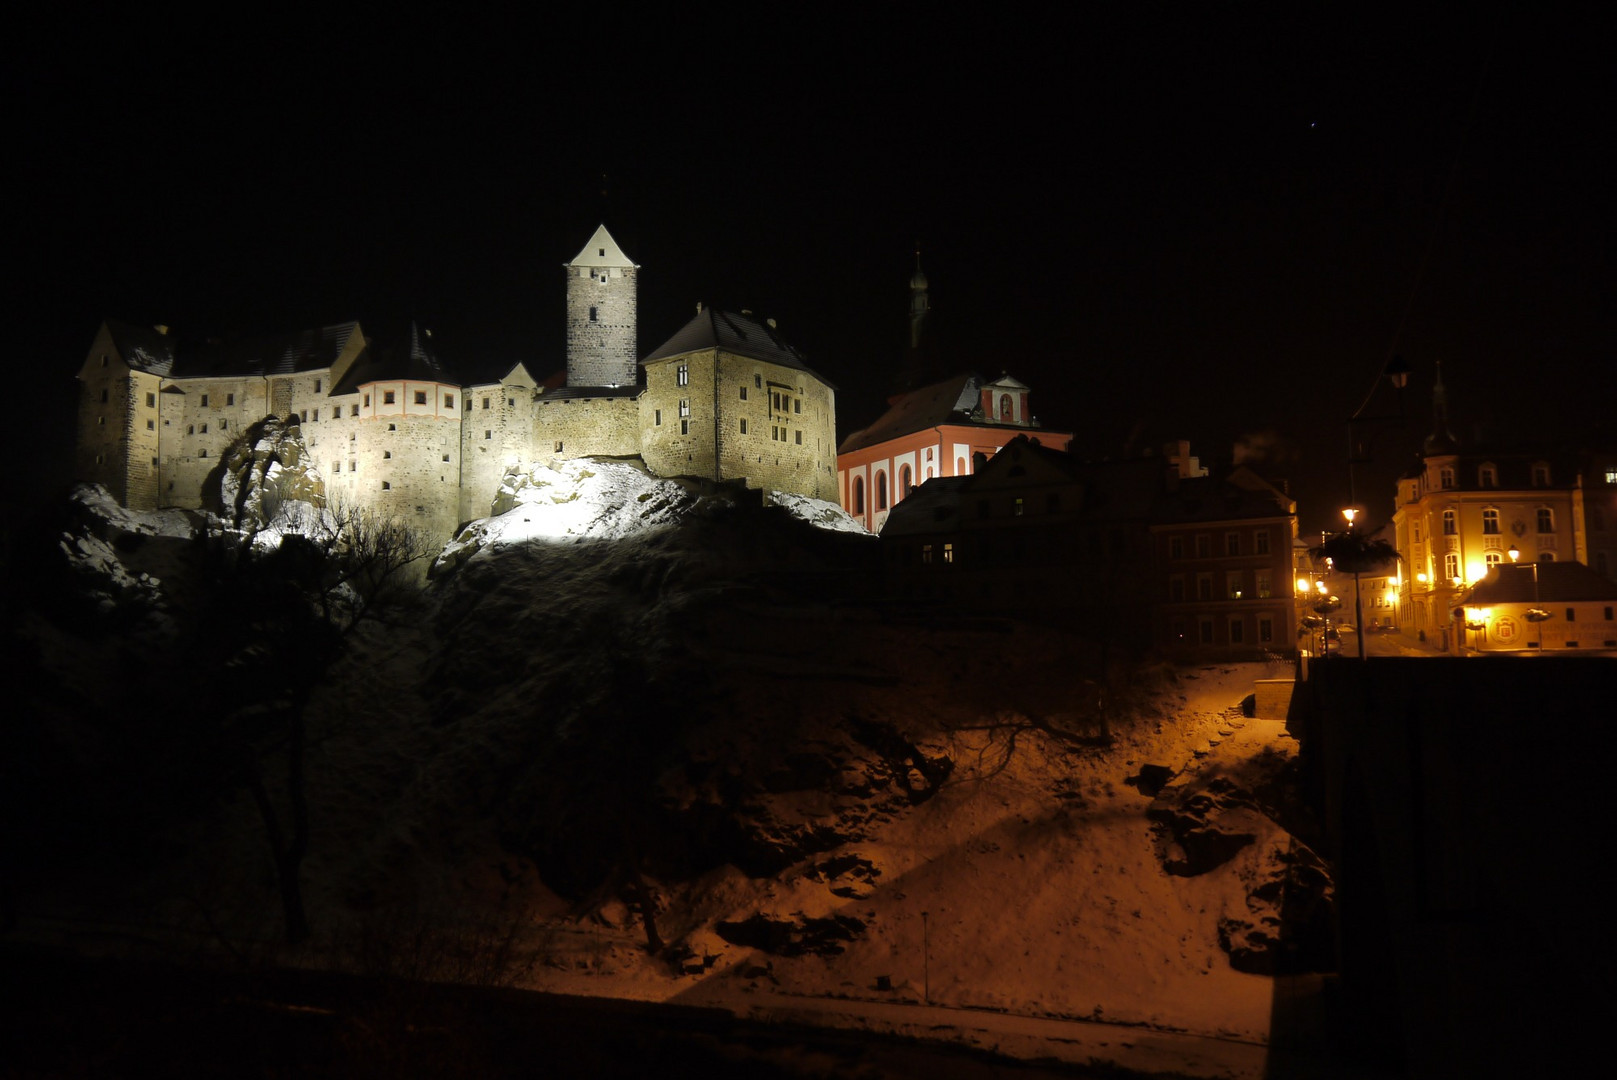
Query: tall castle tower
[{"x": 601, "y": 315}]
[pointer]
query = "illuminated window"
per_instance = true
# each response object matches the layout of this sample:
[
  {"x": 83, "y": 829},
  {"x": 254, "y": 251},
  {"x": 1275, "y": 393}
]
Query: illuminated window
[
  {"x": 682, "y": 375},
  {"x": 1546, "y": 520},
  {"x": 1611, "y": 475},
  {"x": 1232, "y": 585},
  {"x": 1490, "y": 522},
  {"x": 1017, "y": 508},
  {"x": 1264, "y": 586},
  {"x": 1492, "y": 558},
  {"x": 1451, "y": 565},
  {"x": 684, "y": 406},
  {"x": 948, "y": 557},
  {"x": 1450, "y": 526}
]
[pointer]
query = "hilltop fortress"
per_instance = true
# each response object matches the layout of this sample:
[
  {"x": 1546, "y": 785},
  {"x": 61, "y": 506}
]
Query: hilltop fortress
[{"x": 393, "y": 430}]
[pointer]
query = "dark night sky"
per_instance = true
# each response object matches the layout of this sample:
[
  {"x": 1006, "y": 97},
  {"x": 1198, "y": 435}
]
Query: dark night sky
[{"x": 1169, "y": 226}]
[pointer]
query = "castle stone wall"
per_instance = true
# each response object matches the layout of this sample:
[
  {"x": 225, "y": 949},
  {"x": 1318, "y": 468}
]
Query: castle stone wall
[
  {"x": 602, "y": 310},
  {"x": 570, "y": 427},
  {"x": 496, "y": 433}
]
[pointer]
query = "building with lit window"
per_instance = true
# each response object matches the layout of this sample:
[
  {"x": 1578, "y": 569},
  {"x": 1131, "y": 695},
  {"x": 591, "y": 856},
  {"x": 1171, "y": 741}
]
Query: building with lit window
[{"x": 1550, "y": 607}]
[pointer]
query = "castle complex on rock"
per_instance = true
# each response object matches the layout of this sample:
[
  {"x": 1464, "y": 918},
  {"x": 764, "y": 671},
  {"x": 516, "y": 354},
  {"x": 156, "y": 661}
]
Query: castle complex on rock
[{"x": 726, "y": 398}]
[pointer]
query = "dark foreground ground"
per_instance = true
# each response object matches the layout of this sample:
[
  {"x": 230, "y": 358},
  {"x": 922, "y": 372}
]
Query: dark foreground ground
[{"x": 75, "y": 1017}]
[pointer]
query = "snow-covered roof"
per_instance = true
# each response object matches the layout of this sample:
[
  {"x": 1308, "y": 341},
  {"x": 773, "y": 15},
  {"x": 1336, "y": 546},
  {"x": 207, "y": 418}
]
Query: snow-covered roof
[{"x": 740, "y": 334}]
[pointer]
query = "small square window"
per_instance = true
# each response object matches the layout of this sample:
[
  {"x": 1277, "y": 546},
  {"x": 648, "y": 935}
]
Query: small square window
[
  {"x": 353, "y": 410},
  {"x": 420, "y": 397},
  {"x": 558, "y": 446},
  {"x": 151, "y": 425},
  {"x": 488, "y": 434},
  {"x": 510, "y": 402},
  {"x": 446, "y": 457},
  {"x": 449, "y": 401},
  {"x": 151, "y": 401},
  {"x": 387, "y": 397},
  {"x": 386, "y": 486}
]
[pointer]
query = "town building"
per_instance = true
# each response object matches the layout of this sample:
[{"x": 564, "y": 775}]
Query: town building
[
  {"x": 1461, "y": 510},
  {"x": 393, "y": 429},
  {"x": 1538, "y": 607},
  {"x": 1153, "y": 551}
]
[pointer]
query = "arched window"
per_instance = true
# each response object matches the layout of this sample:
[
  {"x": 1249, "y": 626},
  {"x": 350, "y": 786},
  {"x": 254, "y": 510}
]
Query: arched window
[
  {"x": 858, "y": 494},
  {"x": 960, "y": 466},
  {"x": 881, "y": 491},
  {"x": 1005, "y": 407},
  {"x": 905, "y": 483}
]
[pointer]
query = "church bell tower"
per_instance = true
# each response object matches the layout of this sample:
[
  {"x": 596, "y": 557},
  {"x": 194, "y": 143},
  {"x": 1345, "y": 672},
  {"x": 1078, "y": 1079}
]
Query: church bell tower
[{"x": 601, "y": 315}]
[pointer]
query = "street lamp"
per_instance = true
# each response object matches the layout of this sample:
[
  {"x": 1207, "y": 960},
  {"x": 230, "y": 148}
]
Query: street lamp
[{"x": 1535, "y": 614}]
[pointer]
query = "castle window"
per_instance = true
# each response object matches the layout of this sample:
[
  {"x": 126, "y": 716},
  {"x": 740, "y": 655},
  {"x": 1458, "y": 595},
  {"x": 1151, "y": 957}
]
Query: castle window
[
  {"x": 685, "y": 427},
  {"x": 387, "y": 397},
  {"x": 353, "y": 410},
  {"x": 799, "y": 438},
  {"x": 103, "y": 393},
  {"x": 386, "y": 486},
  {"x": 202, "y": 453},
  {"x": 353, "y": 466},
  {"x": 190, "y": 429},
  {"x": 303, "y": 417},
  {"x": 593, "y": 315},
  {"x": 151, "y": 401},
  {"x": 511, "y": 402},
  {"x": 797, "y": 405},
  {"x": 317, "y": 416},
  {"x": 1546, "y": 520},
  {"x": 684, "y": 407},
  {"x": 1490, "y": 522},
  {"x": 601, "y": 252},
  {"x": 367, "y": 401},
  {"x": 485, "y": 403},
  {"x": 393, "y": 427},
  {"x": 420, "y": 397},
  {"x": 449, "y": 401},
  {"x": 224, "y": 425},
  {"x": 446, "y": 457},
  {"x": 743, "y": 393},
  {"x": 151, "y": 425},
  {"x": 758, "y": 384},
  {"x": 682, "y": 375},
  {"x": 558, "y": 446},
  {"x": 657, "y": 418},
  {"x": 204, "y": 401},
  {"x": 230, "y": 399},
  {"x": 317, "y": 386},
  {"x": 386, "y": 454},
  {"x": 743, "y": 425},
  {"x": 488, "y": 434},
  {"x": 336, "y": 466}
]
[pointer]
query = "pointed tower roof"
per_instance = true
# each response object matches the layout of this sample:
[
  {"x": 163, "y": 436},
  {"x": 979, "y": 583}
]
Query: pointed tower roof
[
  {"x": 602, "y": 250},
  {"x": 1441, "y": 440}
]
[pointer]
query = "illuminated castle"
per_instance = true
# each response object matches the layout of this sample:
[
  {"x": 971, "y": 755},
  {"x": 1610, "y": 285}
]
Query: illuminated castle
[{"x": 724, "y": 398}]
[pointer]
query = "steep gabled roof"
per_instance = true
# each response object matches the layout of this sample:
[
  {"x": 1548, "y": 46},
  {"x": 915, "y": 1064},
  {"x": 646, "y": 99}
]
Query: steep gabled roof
[
  {"x": 142, "y": 347},
  {"x": 1539, "y": 583},
  {"x": 739, "y": 334},
  {"x": 946, "y": 402},
  {"x": 602, "y": 250},
  {"x": 419, "y": 361},
  {"x": 284, "y": 354}
]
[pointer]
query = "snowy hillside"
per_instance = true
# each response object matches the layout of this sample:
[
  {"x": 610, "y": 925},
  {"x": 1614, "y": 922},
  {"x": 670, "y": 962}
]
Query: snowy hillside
[{"x": 619, "y": 693}]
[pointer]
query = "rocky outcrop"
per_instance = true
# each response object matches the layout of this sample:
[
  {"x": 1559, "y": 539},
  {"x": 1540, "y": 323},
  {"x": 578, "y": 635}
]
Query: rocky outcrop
[{"x": 265, "y": 471}]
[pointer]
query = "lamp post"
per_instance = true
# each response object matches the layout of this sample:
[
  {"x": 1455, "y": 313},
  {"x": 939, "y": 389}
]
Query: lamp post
[
  {"x": 1535, "y": 614},
  {"x": 1358, "y": 604}
]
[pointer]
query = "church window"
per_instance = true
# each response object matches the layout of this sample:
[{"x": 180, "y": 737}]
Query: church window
[
  {"x": 682, "y": 375},
  {"x": 1450, "y": 526},
  {"x": 449, "y": 401},
  {"x": 420, "y": 397},
  {"x": 684, "y": 407},
  {"x": 1490, "y": 522},
  {"x": 799, "y": 438},
  {"x": 387, "y": 397},
  {"x": 1546, "y": 520},
  {"x": 858, "y": 494},
  {"x": 881, "y": 491},
  {"x": 905, "y": 482},
  {"x": 151, "y": 401}
]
